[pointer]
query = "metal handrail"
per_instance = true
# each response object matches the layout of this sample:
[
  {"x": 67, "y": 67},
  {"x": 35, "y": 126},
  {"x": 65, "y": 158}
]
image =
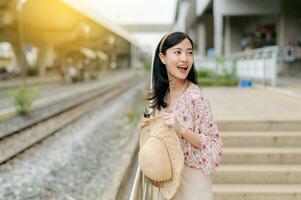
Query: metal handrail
[
  {"x": 140, "y": 187},
  {"x": 252, "y": 52},
  {"x": 145, "y": 188},
  {"x": 140, "y": 181},
  {"x": 137, "y": 181}
]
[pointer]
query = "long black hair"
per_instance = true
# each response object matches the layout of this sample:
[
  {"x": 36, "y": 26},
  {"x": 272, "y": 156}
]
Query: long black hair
[{"x": 160, "y": 82}]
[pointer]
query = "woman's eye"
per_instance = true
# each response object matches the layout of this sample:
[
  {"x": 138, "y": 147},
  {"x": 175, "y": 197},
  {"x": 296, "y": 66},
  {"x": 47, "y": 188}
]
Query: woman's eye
[
  {"x": 190, "y": 52},
  {"x": 177, "y": 52}
]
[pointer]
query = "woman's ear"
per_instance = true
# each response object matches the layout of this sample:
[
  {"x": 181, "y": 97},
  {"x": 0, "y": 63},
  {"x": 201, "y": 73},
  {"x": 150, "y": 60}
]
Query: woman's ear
[{"x": 162, "y": 58}]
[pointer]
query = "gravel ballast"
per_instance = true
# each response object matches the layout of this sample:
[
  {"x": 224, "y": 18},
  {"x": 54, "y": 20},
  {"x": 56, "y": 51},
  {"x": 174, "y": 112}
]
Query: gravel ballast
[{"x": 78, "y": 161}]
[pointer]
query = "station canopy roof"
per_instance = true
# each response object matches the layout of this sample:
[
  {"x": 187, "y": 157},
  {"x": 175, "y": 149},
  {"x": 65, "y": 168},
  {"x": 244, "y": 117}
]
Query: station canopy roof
[{"x": 86, "y": 9}]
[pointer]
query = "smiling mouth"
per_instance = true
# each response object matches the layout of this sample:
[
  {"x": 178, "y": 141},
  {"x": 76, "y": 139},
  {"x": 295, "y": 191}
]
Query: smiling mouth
[{"x": 182, "y": 68}]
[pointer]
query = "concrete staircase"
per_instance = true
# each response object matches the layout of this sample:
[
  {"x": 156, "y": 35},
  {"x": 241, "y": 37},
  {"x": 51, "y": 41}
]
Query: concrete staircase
[
  {"x": 262, "y": 164},
  {"x": 261, "y": 131}
]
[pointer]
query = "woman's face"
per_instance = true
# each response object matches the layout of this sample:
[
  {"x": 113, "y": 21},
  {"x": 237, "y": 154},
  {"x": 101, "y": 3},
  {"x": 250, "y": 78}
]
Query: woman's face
[{"x": 178, "y": 60}]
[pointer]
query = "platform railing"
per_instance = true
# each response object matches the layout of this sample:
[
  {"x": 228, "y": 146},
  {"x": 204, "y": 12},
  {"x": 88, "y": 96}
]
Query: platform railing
[
  {"x": 140, "y": 189},
  {"x": 257, "y": 64}
]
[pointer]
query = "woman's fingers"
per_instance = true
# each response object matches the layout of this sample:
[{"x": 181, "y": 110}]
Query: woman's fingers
[
  {"x": 169, "y": 119},
  {"x": 144, "y": 122},
  {"x": 166, "y": 113}
]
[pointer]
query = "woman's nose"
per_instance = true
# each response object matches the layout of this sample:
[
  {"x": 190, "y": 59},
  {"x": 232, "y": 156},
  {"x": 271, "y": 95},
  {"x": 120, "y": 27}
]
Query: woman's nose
[{"x": 184, "y": 57}]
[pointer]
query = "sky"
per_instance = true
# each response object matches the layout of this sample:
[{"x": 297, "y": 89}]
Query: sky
[{"x": 138, "y": 12}]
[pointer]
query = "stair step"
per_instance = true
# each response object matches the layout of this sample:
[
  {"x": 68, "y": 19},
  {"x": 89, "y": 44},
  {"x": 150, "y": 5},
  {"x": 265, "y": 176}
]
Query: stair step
[
  {"x": 258, "y": 174},
  {"x": 240, "y": 155},
  {"x": 264, "y": 139},
  {"x": 257, "y": 192},
  {"x": 260, "y": 125}
]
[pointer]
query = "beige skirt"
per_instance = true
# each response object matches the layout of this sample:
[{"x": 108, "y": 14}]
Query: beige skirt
[{"x": 194, "y": 186}]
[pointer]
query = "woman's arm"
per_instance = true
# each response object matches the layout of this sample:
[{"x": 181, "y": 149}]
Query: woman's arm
[
  {"x": 193, "y": 138},
  {"x": 206, "y": 127}
]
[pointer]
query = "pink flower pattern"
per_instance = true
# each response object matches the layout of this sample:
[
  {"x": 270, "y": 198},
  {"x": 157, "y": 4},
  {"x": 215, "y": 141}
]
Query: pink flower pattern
[{"x": 193, "y": 112}]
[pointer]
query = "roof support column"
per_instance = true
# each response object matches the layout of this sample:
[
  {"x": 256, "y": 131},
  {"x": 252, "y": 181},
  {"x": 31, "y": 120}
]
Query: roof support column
[
  {"x": 218, "y": 28},
  {"x": 43, "y": 58},
  {"x": 201, "y": 34}
]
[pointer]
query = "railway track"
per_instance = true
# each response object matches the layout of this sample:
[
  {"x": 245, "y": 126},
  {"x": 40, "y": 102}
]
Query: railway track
[{"x": 14, "y": 142}]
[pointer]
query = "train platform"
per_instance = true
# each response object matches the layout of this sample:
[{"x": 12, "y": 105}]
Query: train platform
[
  {"x": 50, "y": 89},
  {"x": 253, "y": 104},
  {"x": 261, "y": 132},
  {"x": 289, "y": 86},
  {"x": 15, "y": 82}
]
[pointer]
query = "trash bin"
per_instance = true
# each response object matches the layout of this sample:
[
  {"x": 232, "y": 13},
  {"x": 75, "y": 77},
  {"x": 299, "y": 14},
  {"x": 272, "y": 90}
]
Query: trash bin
[{"x": 245, "y": 83}]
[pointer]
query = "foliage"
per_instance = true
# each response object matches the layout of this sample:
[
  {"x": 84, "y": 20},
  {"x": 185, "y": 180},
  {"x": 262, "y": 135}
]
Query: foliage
[
  {"x": 203, "y": 73},
  {"x": 23, "y": 98},
  {"x": 147, "y": 64},
  {"x": 134, "y": 114},
  {"x": 218, "y": 81},
  {"x": 208, "y": 78}
]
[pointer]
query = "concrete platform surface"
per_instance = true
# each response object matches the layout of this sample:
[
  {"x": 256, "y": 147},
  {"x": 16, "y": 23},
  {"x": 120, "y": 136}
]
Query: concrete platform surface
[{"x": 252, "y": 104}]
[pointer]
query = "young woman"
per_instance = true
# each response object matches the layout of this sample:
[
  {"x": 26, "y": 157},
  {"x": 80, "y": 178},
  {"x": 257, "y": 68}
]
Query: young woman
[{"x": 177, "y": 97}]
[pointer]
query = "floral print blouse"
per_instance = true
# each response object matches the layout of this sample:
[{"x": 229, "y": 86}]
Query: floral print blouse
[{"x": 193, "y": 112}]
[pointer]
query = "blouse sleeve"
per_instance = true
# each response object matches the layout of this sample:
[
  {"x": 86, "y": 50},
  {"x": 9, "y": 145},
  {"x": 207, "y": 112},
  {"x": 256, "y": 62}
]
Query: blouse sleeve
[{"x": 211, "y": 142}]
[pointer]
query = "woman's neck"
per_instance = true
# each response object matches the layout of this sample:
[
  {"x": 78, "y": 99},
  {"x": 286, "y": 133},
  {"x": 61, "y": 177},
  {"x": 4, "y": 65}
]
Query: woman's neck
[{"x": 177, "y": 86}]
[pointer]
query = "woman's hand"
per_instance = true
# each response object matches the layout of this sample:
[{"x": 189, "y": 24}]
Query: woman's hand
[
  {"x": 144, "y": 122},
  {"x": 171, "y": 120}
]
